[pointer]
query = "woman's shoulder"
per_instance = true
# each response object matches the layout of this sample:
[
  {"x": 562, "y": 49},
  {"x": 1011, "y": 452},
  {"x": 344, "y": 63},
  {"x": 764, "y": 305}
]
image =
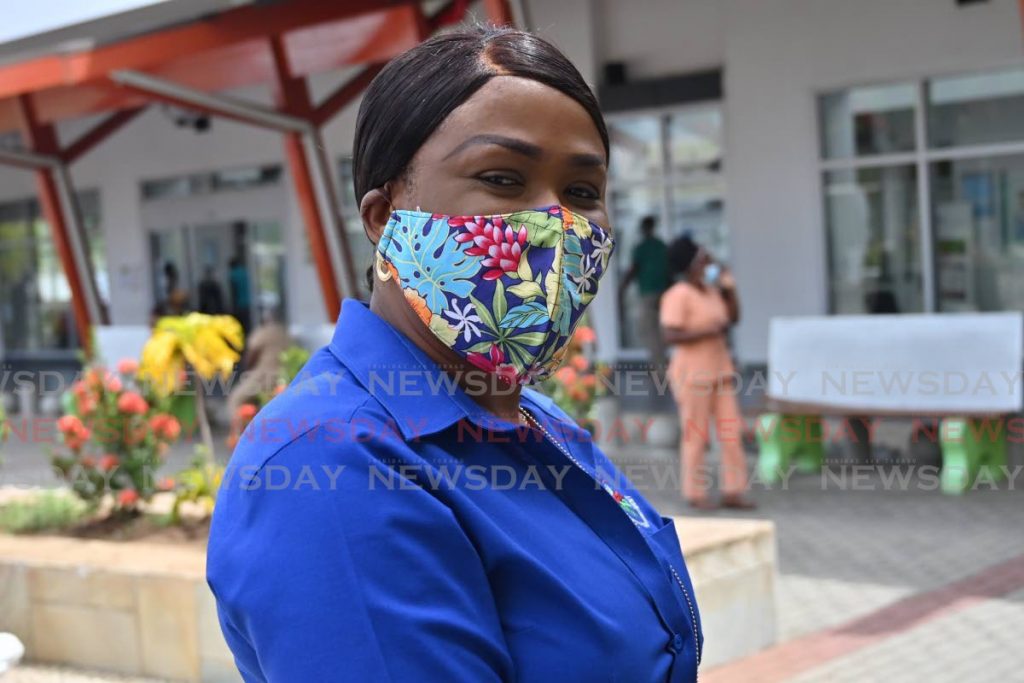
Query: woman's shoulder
[
  {"x": 324, "y": 412},
  {"x": 680, "y": 291}
]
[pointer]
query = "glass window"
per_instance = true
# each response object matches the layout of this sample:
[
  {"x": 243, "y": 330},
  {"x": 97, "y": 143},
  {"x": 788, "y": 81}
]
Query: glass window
[
  {"x": 209, "y": 182},
  {"x": 698, "y": 209},
  {"x": 629, "y": 206},
  {"x": 695, "y": 139},
  {"x": 868, "y": 121},
  {"x": 978, "y": 228},
  {"x": 35, "y": 299},
  {"x": 636, "y": 147},
  {"x": 873, "y": 240},
  {"x": 977, "y": 109}
]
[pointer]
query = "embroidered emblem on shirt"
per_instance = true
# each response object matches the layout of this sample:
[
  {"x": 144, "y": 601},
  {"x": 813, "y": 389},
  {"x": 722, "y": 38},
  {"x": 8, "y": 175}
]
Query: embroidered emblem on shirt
[{"x": 628, "y": 506}]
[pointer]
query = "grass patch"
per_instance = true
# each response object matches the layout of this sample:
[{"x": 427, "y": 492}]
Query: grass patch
[{"x": 46, "y": 511}]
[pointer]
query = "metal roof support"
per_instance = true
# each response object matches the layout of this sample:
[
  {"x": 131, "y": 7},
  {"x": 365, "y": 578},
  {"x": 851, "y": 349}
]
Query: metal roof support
[
  {"x": 218, "y": 105},
  {"x": 314, "y": 187},
  {"x": 58, "y": 203},
  {"x": 103, "y": 130}
]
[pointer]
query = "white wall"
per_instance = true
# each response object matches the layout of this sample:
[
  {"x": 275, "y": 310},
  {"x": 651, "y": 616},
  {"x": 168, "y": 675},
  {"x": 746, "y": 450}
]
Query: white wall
[
  {"x": 779, "y": 55},
  {"x": 661, "y": 37}
]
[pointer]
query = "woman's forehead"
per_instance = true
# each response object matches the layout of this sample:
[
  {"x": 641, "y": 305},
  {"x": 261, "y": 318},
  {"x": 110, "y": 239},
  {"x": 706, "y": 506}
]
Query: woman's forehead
[{"x": 522, "y": 109}]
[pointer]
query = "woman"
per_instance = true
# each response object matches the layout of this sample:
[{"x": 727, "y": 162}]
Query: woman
[
  {"x": 696, "y": 314},
  {"x": 406, "y": 511}
]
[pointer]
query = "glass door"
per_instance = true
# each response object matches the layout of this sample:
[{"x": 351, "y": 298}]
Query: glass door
[
  {"x": 666, "y": 165},
  {"x": 234, "y": 267}
]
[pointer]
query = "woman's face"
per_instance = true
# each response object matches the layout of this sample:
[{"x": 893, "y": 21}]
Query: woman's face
[
  {"x": 515, "y": 144},
  {"x": 700, "y": 262}
]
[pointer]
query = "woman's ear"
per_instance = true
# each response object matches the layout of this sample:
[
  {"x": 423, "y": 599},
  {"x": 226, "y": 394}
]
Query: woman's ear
[{"x": 375, "y": 210}]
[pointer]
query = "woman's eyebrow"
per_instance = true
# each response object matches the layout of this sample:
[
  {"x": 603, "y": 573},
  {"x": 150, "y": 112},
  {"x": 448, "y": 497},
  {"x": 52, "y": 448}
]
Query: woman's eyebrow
[
  {"x": 516, "y": 145},
  {"x": 589, "y": 160}
]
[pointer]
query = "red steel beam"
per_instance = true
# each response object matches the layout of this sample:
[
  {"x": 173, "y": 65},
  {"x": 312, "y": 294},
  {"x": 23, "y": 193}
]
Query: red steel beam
[
  {"x": 347, "y": 92},
  {"x": 451, "y": 13},
  {"x": 104, "y": 129},
  {"x": 42, "y": 138},
  {"x": 305, "y": 190},
  {"x": 499, "y": 13},
  {"x": 292, "y": 95},
  {"x": 228, "y": 28}
]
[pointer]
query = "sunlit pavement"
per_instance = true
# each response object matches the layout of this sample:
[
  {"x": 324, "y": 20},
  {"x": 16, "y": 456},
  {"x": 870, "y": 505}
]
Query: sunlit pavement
[{"x": 882, "y": 580}]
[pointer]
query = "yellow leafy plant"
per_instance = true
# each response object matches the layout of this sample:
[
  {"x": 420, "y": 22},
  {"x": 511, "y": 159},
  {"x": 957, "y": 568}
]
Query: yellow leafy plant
[{"x": 209, "y": 345}]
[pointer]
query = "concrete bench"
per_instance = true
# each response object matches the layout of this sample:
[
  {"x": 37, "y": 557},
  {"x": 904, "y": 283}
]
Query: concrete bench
[{"x": 964, "y": 369}]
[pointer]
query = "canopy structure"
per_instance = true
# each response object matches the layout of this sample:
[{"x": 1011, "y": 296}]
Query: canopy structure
[{"x": 279, "y": 44}]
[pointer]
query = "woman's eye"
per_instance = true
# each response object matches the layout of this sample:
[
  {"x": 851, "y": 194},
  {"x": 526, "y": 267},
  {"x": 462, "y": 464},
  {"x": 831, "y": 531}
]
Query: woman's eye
[
  {"x": 499, "y": 180},
  {"x": 584, "y": 192}
]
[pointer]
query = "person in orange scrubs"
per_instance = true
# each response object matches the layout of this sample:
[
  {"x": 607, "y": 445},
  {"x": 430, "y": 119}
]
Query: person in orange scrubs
[{"x": 695, "y": 315}]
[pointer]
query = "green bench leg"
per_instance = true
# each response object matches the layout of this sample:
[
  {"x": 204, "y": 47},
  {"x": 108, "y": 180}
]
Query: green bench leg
[
  {"x": 786, "y": 440},
  {"x": 972, "y": 447}
]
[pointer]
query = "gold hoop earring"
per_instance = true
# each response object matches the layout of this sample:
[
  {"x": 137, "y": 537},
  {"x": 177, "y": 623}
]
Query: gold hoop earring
[{"x": 381, "y": 266}]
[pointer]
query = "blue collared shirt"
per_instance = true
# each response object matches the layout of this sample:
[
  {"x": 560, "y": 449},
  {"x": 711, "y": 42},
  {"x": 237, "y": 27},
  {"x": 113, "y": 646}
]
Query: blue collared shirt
[{"x": 375, "y": 524}]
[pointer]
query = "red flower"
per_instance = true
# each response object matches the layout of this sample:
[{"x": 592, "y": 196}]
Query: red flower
[
  {"x": 165, "y": 426},
  {"x": 109, "y": 462},
  {"x": 86, "y": 405},
  {"x": 566, "y": 374},
  {"x": 166, "y": 484},
  {"x": 114, "y": 385},
  {"x": 494, "y": 362},
  {"x": 79, "y": 389},
  {"x": 128, "y": 366},
  {"x": 69, "y": 424},
  {"x": 246, "y": 412},
  {"x": 585, "y": 335},
  {"x": 128, "y": 497},
  {"x": 88, "y": 461},
  {"x": 94, "y": 378},
  {"x": 494, "y": 240},
  {"x": 131, "y": 402}
]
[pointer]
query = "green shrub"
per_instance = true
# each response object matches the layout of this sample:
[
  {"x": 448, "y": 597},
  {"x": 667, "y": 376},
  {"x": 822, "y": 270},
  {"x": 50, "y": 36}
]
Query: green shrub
[{"x": 48, "y": 510}]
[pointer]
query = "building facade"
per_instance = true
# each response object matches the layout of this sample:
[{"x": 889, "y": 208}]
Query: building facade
[{"x": 841, "y": 157}]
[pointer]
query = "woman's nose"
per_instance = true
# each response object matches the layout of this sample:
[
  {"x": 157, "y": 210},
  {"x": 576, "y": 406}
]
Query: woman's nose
[{"x": 546, "y": 198}]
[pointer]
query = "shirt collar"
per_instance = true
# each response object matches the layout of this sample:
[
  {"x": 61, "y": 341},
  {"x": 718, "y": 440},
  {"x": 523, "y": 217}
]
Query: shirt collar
[{"x": 418, "y": 395}]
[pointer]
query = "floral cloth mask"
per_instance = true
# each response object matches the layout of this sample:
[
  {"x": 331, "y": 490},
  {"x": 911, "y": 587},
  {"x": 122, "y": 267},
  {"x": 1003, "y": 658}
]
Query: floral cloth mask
[{"x": 503, "y": 291}]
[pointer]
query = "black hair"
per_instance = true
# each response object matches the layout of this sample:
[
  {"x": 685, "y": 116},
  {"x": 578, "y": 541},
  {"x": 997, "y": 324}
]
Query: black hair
[
  {"x": 648, "y": 222},
  {"x": 681, "y": 254},
  {"x": 418, "y": 89}
]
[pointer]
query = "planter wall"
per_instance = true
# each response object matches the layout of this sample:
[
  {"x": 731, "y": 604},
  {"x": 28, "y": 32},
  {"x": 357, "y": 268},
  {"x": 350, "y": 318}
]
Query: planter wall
[
  {"x": 138, "y": 609},
  {"x": 144, "y": 609},
  {"x": 733, "y": 566}
]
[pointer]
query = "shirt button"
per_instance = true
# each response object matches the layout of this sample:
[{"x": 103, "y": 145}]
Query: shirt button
[{"x": 677, "y": 643}]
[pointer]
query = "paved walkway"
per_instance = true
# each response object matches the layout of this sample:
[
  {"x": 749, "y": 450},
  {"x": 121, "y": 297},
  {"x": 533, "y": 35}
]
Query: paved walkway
[{"x": 883, "y": 582}]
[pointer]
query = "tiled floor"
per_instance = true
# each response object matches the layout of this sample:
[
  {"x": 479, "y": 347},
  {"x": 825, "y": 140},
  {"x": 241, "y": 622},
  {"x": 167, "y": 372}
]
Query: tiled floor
[{"x": 882, "y": 582}]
